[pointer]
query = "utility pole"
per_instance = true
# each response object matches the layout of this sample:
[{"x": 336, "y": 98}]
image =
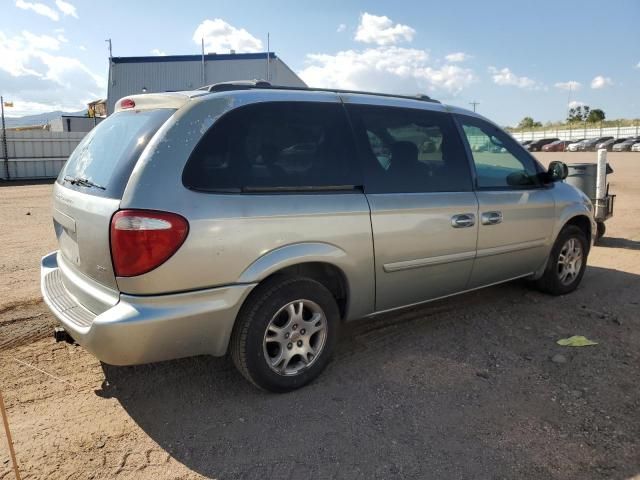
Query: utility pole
[
  {"x": 268, "y": 58},
  {"x": 474, "y": 104},
  {"x": 5, "y": 152},
  {"x": 110, "y": 83},
  {"x": 203, "y": 80},
  {"x": 108, "y": 40},
  {"x": 569, "y": 100}
]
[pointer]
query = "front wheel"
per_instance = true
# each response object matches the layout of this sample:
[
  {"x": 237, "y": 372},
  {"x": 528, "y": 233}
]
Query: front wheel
[
  {"x": 567, "y": 262},
  {"x": 285, "y": 333}
]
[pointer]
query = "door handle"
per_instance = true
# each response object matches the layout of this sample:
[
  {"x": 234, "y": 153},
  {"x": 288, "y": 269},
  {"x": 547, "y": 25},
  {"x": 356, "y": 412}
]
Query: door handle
[
  {"x": 463, "y": 220},
  {"x": 491, "y": 218}
]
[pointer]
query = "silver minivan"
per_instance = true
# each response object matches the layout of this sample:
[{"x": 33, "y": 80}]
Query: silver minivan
[{"x": 255, "y": 219}]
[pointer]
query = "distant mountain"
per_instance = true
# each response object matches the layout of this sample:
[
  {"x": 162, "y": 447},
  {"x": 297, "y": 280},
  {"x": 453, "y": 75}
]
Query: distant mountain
[{"x": 39, "y": 119}]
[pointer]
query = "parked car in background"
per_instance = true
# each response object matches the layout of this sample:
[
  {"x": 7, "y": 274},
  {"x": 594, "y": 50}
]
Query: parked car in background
[
  {"x": 636, "y": 147},
  {"x": 626, "y": 145},
  {"x": 243, "y": 219},
  {"x": 608, "y": 144},
  {"x": 526, "y": 142},
  {"x": 589, "y": 145},
  {"x": 557, "y": 146},
  {"x": 537, "y": 145},
  {"x": 575, "y": 145}
]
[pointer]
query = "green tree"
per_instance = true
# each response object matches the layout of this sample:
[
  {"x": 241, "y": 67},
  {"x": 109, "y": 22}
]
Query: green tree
[
  {"x": 595, "y": 115},
  {"x": 528, "y": 122},
  {"x": 579, "y": 113}
]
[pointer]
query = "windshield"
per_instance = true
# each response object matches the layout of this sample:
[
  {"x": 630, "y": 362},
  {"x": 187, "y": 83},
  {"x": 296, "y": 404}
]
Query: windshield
[{"x": 102, "y": 162}]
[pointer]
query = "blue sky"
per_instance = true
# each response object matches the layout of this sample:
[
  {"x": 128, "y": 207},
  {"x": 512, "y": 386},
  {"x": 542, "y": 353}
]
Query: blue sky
[{"x": 515, "y": 58}]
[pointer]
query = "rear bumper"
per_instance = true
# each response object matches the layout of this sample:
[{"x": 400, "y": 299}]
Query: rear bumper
[{"x": 143, "y": 329}]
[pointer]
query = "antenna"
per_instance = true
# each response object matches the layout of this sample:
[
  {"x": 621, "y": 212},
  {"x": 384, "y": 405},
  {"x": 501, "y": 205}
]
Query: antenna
[{"x": 474, "y": 104}]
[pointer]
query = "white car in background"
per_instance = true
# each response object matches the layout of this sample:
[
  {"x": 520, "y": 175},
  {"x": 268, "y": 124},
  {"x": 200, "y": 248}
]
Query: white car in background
[
  {"x": 574, "y": 147},
  {"x": 635, "y": 147}
]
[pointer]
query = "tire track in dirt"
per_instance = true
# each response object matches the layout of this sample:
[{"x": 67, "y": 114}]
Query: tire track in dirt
[{"x": 23, "y": 323}]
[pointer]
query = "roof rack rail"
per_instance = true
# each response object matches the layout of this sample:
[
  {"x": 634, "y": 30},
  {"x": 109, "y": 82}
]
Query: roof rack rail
[{"x": 263, "y": 84}]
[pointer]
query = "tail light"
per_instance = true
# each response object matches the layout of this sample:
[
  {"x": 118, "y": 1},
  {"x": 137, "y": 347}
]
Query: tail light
[{"x": 142, "y": 240}]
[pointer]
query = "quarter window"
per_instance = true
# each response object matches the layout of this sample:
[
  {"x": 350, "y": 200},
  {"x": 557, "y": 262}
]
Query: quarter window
[
  {"x": 275, "y": 145},
  {"x": 500, "y": 162},
  {"x": 409, "y": 150}
]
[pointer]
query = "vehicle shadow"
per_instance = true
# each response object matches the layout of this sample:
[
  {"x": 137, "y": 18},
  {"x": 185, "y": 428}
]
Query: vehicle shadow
[
  {"x": 459, "y": 388},
  {"x": 617, "y": 242}
]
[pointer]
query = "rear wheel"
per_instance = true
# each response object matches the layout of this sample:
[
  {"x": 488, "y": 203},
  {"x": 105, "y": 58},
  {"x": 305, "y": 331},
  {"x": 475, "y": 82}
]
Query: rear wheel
[
  {"x": 285, "y": 333},
  {"x": 567, "y": 262},
  {"x": 601, "y": 230}
]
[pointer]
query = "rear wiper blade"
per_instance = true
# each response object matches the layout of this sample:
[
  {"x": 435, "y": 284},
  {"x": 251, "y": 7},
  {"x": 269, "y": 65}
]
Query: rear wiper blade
[{"x": 83, "y": 182}]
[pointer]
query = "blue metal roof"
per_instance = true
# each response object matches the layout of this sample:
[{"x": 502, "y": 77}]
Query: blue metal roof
[{"x": 194, "y": 58}]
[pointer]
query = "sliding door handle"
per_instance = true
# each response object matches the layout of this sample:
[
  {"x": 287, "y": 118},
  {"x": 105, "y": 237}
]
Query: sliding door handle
[
  {"x": 491, "y": 218},
  {"x": 463, "y": 220}
]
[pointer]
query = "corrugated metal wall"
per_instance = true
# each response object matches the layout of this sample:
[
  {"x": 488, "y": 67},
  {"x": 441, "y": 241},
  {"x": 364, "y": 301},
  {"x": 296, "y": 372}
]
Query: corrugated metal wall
[
  {"x": 163, "y": 76},
  {"x": 38, "y": 153}
]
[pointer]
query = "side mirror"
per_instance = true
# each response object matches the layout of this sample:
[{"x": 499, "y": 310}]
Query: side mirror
[{"x": 557, "y": 171}]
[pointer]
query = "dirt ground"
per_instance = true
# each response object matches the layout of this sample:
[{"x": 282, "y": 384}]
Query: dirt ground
[{"x": 461, "y": 388}]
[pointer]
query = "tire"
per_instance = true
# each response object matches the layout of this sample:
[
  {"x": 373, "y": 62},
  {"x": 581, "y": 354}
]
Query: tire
[
  {"x": 562, "y": 279},
  {"x": 602, "y": 228},
  {"x": 273, "y": 335}
]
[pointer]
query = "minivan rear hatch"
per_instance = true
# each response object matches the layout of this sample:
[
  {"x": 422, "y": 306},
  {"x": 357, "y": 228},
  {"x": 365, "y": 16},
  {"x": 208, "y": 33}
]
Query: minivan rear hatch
[{"x": 86, "y": 195}]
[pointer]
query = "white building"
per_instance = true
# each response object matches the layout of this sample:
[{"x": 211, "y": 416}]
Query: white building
[
  {"x": 134, "y": 75},
  {"x": 73, "y": 123}
]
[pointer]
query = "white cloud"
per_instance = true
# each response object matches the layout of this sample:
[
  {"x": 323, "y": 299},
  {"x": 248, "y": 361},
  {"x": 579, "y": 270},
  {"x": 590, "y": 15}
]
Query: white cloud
[
  {"x": 37, "y": 78},
  {"x": 39, "y": 8},
  {"x": 42, "y": 42},
  {"x": 66, "y": 8},
  {"x": 158, "y": 52},
  {"x": 341, "y": 28},
  {"x": 570, "y": 85},
  {"x": 638, "y": 65},
  {"x": 601, "y": 82},
  {"x": 381, "y": 30},
  {"x": 506, "y": 77},
  {"x": 384, "y": 69},
  {"x": 220, "y": 37},
  {"x": 576, "y": 103},
  {"x": 457, "y": 57}
]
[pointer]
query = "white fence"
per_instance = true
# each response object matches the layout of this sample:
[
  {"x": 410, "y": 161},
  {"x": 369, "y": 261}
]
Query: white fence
[
  {"x": 36, "y": 154},
  {"x": 577, "y": 133}
]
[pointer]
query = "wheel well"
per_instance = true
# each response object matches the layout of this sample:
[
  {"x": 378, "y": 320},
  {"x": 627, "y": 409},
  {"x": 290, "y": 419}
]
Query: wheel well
[
  {"x": 584, "y": 224},
  {"x": 325, "y": 273}
]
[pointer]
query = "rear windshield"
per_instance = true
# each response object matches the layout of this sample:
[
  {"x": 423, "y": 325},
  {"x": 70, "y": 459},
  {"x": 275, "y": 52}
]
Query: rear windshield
[{"x": 102, "y": 162}]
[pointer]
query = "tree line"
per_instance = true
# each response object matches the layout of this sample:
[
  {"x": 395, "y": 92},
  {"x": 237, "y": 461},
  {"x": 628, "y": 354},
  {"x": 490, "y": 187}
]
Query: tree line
[{"x": 577, "y": 114}]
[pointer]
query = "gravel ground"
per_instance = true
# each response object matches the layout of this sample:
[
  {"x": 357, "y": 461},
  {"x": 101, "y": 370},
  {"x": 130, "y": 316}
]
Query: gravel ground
[{"x": 470, "y": 387}]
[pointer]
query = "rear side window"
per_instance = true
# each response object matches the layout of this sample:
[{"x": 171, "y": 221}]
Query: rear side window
[
  {"x": 107, "y": 155},
  {"x": 409, "y": 150},
  {"x": 286, "y": 146}
]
